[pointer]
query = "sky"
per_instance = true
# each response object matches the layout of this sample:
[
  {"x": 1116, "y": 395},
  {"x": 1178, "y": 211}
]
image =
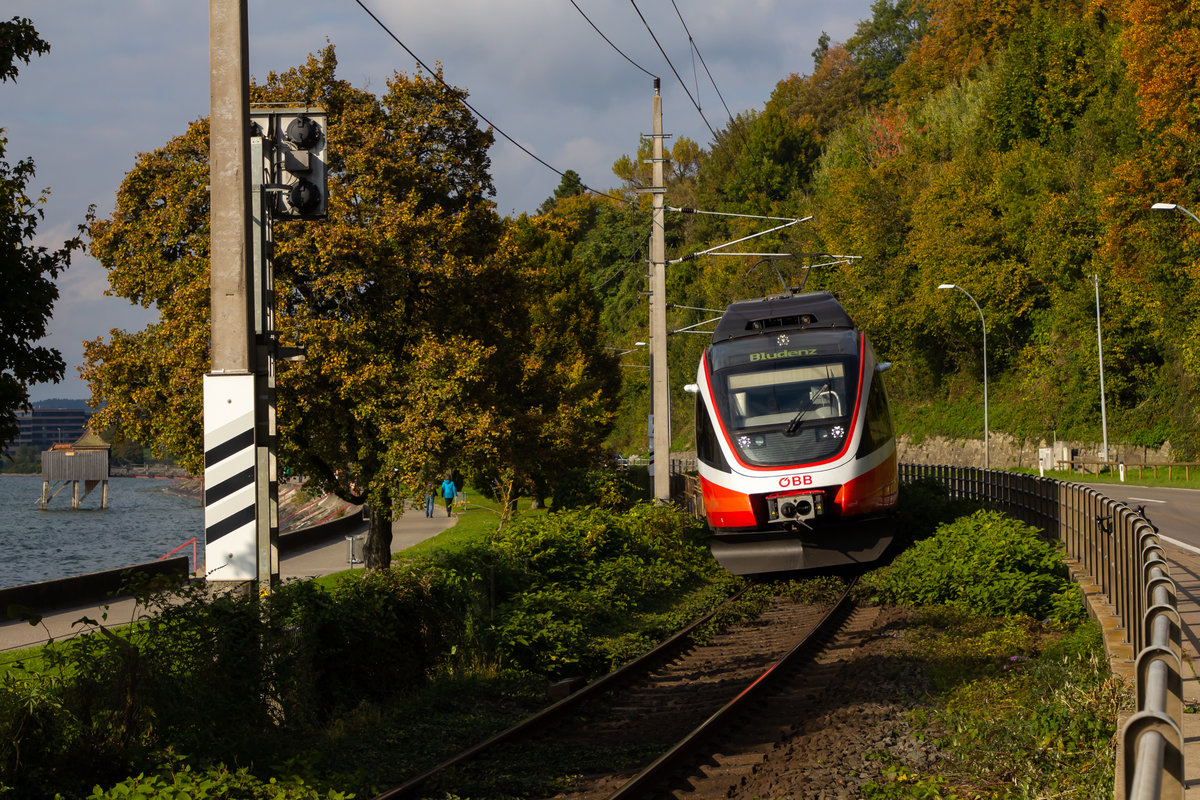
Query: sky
[{"x": 125, "y": 76}]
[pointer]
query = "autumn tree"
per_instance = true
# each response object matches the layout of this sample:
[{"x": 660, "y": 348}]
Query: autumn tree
[
  {"x": 882, "y": 43},
  {"x": 27, "y": 271},
  {"x": 1161, "y": 45},
  {"x": 147, "y": 384},
  {"x": 566, "y": 382},
  {"x": 384, "y": 294},
  {"x": 957, "y": 37},
  {"x": 828, "y": 98}
]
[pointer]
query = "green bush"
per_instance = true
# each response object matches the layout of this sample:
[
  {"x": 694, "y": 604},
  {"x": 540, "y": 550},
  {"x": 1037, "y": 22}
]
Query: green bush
[
  {"x": 596, "y": 488},
  {"x": 986, "y": 563},
  {"x": 924, "y": 505},
  {"x": 220, "y": 677},
  {"x": 587, "y": 570},
  {"x": 215, "y": 783}
]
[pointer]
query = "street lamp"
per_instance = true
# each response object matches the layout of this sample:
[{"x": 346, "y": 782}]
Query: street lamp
[
  {"x": 987, "y": 453},
  {"x": 1100, "y": 351},
  {"x": 1174, "y": 207}
]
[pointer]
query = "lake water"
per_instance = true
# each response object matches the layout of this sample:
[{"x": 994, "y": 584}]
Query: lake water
[{"x": 142, "y": 523}]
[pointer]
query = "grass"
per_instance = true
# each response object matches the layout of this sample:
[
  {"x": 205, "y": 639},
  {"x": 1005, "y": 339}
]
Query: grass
[
  {"x": 476, "y": 521},
  {"x": 1017, "y": 711},
  {"x": 1132, "y": 478}
]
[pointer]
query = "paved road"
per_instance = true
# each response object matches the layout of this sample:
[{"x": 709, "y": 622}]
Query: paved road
[
  {"x": 324, "y": 559},
  {"x": 1175, "y": 512}
]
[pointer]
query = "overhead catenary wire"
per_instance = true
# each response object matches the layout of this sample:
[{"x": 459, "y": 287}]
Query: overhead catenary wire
[
  {"x": 687, "y": 210},
  {"x": 672, "y": 66},
  {"x": 474, "y": 110},
  {"x": 610, "y": 42},
  {"x": 713, "y": 250},
  {"x": 707, "y": 72},
  {"x": 383, "y": 26}
]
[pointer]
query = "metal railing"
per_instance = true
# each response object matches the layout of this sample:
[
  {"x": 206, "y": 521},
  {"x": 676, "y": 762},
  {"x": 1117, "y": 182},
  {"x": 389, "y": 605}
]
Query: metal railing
[
  {"x": 1117, "y": 550},
  {"x": 1115, "y": 553}
]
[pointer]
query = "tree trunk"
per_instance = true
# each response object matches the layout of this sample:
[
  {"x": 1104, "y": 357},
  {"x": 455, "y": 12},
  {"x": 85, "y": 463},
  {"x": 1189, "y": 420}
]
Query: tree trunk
[
  {"x": 377, "y": 551},
  {"x": 537, "y": 492}
]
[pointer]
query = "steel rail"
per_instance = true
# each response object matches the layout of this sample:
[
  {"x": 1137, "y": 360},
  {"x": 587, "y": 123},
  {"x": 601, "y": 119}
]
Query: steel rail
[
  {"x": 639, "y": 786},
  {"x": 643, "y": 663}
]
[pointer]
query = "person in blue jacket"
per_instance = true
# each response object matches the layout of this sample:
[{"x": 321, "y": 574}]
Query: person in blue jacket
[{"x": 449, "y": 492}]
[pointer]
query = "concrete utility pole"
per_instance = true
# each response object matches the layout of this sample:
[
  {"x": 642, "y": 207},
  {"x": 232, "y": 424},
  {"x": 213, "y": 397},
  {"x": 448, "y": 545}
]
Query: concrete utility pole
[
  {"x": 660, "y": 383},
  {"x": 230, "y": 550},
  {"x": 229, "y": 160}
]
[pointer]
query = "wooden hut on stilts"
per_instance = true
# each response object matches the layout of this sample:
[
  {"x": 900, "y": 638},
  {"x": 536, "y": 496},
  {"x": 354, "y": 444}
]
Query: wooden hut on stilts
[{"x": 85, "y": 461}]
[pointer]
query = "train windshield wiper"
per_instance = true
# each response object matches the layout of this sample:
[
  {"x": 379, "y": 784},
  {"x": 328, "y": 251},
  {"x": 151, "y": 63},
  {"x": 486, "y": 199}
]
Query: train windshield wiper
[{"x": 794, "y": 426}]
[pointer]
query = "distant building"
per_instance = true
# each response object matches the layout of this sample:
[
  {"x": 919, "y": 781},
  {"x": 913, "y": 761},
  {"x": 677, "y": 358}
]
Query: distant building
[
  {"x": 43, "y": 428},
  {"x": 85, "y": 461}
]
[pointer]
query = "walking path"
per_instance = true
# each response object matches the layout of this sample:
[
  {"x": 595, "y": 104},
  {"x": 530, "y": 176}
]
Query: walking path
[{"x": 323, "y": 559}]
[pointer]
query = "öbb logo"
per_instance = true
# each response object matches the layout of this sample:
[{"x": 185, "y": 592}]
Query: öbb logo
[{"x": 795, "y": 480}]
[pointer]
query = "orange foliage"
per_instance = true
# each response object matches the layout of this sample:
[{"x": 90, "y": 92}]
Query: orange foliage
[
  {"x": 1161, "y": 46},
  {"x": 964, "y": 34}
]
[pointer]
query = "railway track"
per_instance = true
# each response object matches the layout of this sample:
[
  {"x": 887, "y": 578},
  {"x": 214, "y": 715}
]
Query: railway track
[{"x": 670, "y": 722}]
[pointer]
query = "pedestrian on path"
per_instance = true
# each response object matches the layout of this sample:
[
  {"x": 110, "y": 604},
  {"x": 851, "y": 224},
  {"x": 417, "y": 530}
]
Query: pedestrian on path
[
  {"x": 449, "y": 492},
  {"x": 430, "y": 491}
]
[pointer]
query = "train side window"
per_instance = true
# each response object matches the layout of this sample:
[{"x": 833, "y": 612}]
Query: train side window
[
  {"x": 878, "y": 430},
  {"x": 708, "y": 449}
]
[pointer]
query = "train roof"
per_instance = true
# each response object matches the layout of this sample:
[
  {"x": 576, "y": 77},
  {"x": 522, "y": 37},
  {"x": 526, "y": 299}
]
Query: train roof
[{"x": 808, "y": 311}]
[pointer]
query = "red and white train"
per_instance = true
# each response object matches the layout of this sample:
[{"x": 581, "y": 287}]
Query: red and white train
[{"x": 794, "y": 441}]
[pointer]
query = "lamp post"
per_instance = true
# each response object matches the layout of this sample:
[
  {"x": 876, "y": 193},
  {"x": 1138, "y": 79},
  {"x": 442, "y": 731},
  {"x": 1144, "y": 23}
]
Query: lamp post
[
  {"x": 987, "y": 453},
  {"x": 1100, "y": 351},
  {"x": 1174, "y": 207}
]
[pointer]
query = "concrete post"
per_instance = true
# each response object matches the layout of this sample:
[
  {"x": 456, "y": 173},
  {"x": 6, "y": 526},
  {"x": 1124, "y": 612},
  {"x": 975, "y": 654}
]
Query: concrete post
[
  {"x": 229, "y": 390},
  {"x": 660, "y": 377},
  {"x": 231, "y": 255}
]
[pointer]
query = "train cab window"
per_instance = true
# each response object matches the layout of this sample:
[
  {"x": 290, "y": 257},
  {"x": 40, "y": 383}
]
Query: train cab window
[
  {"x": 775, "y": 397},
  {"x": 791, "y": 412}
]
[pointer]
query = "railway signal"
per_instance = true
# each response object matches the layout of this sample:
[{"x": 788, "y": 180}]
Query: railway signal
[{"x": 295, "y": 160}]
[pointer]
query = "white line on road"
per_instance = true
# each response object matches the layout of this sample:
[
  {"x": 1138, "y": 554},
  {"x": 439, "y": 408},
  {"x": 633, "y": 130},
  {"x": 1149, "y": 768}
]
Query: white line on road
[
  {"x": 1177, "y": 543},
  {"x": 1147, "y": 500}
]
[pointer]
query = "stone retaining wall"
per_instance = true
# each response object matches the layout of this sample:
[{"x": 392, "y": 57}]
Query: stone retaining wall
[{"x": 1008, "y": 452}]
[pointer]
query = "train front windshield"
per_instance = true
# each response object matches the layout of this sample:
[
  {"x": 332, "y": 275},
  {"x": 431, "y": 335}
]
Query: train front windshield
[{"x": 788, "y": 411}]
